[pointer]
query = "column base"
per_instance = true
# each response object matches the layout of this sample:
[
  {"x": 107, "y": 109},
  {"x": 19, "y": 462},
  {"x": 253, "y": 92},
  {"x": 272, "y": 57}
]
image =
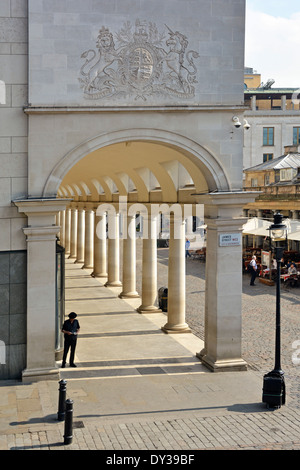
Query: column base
[
  {"x": 175, "y": 329},
  {"x": 79, "y": 261},
  {"x": 129, "y": 295},
  {"x": 36, "y": 375},
  {"x": 99, "y": 274},
  {"x": 226, "y": 365},
  {"x": 89, "y": 266},
  {"x": 150, "y": 309},
  {"x": 113, "y": 284}
]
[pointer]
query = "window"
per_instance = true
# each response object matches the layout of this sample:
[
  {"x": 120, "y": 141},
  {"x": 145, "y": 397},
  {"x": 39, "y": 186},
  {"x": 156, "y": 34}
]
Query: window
[
  {"x": 296, "y": 135},
  {"x": 267, "y": 157},
  {"x": 287, "y": 174},
  {"x": 268, "y": 138},
  {"x": 254, "y": 182},
  {"x": 267, "y": 180}
]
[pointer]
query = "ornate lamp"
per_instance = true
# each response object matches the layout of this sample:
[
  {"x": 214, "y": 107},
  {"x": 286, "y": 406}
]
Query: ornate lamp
[{"x": 274, "y": 385}]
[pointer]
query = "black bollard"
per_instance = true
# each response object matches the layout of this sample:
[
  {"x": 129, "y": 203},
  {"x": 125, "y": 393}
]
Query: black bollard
[
  {"x": 62, "y": 400},
  {"x": 68, "y": 436}
]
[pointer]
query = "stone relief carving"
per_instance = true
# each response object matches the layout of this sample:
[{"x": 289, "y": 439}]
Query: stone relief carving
[{"x": 139, "y": 62}]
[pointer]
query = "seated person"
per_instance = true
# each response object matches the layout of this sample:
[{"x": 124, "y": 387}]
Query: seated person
[{"x": 292, "y": 269}]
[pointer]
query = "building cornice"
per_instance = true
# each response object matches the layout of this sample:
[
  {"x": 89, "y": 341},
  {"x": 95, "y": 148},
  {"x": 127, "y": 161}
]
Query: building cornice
[
  {"x": 31, "y": 110},
  {"x": 272, "y": 113}
]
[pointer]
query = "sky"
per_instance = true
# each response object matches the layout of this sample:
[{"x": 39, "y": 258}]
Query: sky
[{"x": 273, "y": 40}]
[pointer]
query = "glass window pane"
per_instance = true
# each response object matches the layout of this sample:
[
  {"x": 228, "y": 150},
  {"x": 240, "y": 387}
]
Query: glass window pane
[
  {"x": 271, "y": 136},
  {"x": 265, "y": 136},
  {"x": 268, "y": 136}
]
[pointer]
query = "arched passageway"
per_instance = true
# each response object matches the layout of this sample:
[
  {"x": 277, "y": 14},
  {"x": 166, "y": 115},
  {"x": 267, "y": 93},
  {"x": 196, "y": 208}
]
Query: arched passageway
[
  {"x": 92, "y": 198},
  {"x": 148, "y": 156},
  {"x": 113, "y": 185}
]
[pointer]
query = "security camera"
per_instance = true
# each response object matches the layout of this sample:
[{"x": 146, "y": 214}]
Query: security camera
[
  {"x": 236, "y": 121},
  {"x": 246, "y": 125}
]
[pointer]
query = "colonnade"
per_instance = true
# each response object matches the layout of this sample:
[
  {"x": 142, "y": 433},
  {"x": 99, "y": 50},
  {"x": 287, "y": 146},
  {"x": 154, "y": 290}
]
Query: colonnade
[
  {"x": 82, "y": 232},
  {"x": 92, "y": 238}
]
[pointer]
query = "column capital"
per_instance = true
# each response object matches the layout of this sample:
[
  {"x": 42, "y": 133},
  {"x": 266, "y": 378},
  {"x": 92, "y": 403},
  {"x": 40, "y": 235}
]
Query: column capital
[
  {"x": 41, "y": 233},
  {"x": 226, "y": 224},
  {"x": 226, "y": 204},
  {"x": 88, "y": 206},
  {"x": 38, "y": 206},
  {"x": 41, "y": 212}
]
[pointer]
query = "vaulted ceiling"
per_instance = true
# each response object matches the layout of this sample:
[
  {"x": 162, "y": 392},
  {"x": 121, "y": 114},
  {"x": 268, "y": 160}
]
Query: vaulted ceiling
[{"x": 142, "y": 171}]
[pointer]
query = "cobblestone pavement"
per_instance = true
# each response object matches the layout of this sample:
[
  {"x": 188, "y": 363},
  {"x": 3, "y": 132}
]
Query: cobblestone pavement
[{"x": 258, "y": 321}]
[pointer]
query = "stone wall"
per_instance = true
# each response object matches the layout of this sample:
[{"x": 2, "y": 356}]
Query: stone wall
[
  {"x": 13, "y": 121},
  {"x": 136, "y": 52},
  {"x": 13, "y": 266},
  {"x": 13, "y": 184}
]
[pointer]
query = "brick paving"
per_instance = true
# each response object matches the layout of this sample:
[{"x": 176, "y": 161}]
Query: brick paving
[
  {"x": 275, "y": 431},
  {"x": 189, "y": 432}
]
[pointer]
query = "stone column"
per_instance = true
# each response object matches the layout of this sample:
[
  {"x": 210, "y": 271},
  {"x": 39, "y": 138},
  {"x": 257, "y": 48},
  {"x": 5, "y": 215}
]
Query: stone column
[
  {"x": 100, "y": 248},
  {"x": 295, "y": 216},
  {"x": 189, "y": 226},
  {"x": 176, "y": 278},
  {"x": 80, "y": 235},
  {"x": 149, "y": 267},
  {"x": 73, "y": 241},
  {"x": 41, "y": 287},
  {"x": 62, "y": 228},
  {"x": 223, "y": 277},
  {"x": 58, "y": 222},
  {"x": 113, "y": 264},
  {"x": 259, "y": 239},
  {"x": 68, "y": 231},
  {"x": 89, "y": 239},
  {"x": 129, "y": 260}
]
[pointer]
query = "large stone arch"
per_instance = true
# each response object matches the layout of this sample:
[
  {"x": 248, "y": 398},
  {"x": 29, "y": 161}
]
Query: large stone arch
[{"x": 203, "y": 159}]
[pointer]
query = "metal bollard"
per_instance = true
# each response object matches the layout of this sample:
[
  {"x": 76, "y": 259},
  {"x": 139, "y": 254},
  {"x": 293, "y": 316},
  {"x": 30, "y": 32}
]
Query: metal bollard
[
  {"x": 62, "y": 400},
  {"x": 68, "y": 436}
]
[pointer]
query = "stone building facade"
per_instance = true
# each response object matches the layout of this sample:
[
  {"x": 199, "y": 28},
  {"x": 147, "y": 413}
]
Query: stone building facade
[
  {"x": 13, "y": 184},
  {"x": 125, "y": 99},
  {"x": 273, "y": 117}
]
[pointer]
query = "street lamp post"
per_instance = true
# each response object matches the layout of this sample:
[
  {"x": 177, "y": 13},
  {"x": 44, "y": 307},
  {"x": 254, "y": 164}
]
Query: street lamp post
[{"x": 273, "y": 384}]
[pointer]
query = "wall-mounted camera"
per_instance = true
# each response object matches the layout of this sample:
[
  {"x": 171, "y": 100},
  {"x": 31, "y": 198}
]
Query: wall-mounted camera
[
  {"x": 246, "y": 125},
  {"x": 236, "y": 122}
]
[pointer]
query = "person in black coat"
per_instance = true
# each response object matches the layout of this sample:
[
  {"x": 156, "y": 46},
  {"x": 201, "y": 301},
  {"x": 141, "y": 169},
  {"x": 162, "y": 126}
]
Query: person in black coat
[{"x": 70, "y": 329}]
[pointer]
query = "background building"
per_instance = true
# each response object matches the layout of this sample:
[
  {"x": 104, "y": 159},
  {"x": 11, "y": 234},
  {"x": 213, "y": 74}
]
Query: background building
[
  {"x": 279, "y": 181},
  {"x": 274, "y": 118}
]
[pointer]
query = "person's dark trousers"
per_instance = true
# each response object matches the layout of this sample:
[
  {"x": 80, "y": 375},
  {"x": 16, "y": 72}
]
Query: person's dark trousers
[
  {"x": 70, "y": 342},
  {"x": 253, "y": 276}
]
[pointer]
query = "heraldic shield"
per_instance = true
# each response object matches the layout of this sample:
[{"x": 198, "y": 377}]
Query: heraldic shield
[{"x": 144, "y": 63}]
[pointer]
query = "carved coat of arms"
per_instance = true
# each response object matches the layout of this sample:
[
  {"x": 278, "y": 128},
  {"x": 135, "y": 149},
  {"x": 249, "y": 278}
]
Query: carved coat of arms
[{"x": 139, "y": 62}]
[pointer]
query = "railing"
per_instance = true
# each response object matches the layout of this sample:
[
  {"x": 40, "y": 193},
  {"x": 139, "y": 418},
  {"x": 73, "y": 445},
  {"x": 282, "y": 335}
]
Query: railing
[{"x": 282, "y": 192}]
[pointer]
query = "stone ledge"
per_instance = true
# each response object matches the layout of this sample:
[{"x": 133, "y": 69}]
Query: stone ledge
[{"x": 105, "y": 109}]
